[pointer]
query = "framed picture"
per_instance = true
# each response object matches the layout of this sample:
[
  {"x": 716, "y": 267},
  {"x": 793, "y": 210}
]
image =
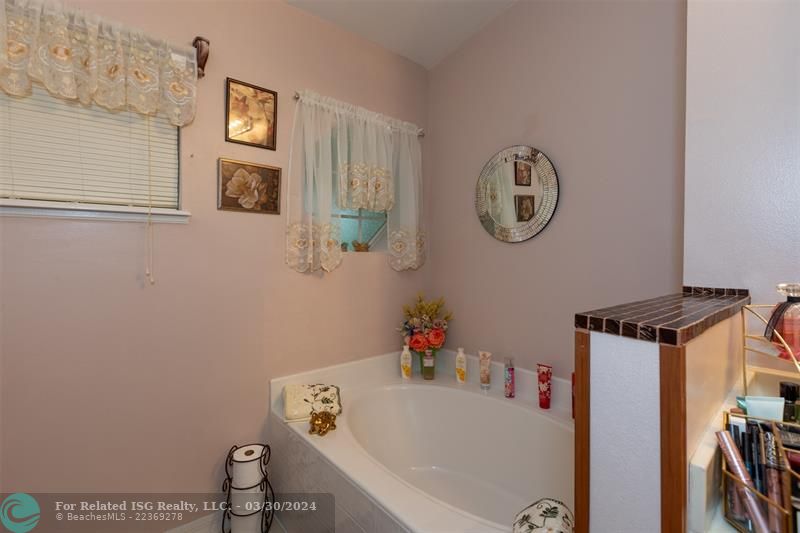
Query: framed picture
[
  {"x": 525, "y": 204},
  {"x": 522, "y": 173},
  {"x": 251, "y": 114},
  {"x": 249, "y": 187}
]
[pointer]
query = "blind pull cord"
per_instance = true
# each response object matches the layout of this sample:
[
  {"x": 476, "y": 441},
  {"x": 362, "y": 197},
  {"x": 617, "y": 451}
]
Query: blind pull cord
[
  {"x": 10, "y": 147},
  {"x": 149, "y": 235}
]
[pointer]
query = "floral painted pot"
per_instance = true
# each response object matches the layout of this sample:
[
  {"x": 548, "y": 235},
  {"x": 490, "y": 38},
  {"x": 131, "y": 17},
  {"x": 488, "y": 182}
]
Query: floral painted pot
[{"x": 545, "y": 516}]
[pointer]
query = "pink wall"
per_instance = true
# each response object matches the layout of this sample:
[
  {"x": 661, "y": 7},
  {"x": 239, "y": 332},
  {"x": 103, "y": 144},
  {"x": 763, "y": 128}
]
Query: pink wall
[
  {"x": 96, "y": 365},
  {"x": 599, "y": 87},
  {"x": 99, "y": 368}
]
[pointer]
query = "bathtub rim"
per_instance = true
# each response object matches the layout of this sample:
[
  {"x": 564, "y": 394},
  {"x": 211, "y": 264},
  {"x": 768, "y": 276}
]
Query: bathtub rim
[{"x": 386, "y": 367}]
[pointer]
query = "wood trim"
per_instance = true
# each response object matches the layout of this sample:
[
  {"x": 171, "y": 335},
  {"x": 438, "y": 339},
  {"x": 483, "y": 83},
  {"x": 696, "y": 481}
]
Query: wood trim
[
  {"x": 581, "y": 431},
  {"x": 672, "y": 370}
]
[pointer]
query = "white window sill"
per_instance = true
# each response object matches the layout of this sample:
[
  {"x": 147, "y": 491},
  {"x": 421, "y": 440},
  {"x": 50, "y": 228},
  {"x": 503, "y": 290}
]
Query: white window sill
[
  {"x": 10, "y": 207},
  {"x": 373, "y": 252}
]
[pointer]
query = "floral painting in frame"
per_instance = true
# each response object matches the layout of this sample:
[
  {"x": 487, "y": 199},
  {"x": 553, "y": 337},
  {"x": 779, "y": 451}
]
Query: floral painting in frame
[
  {"x": 243, "y": 186},
  {"x": 525, "y": 204},
  {"x": 251, "y": 114},
  {"x": 522, "y": 173}
]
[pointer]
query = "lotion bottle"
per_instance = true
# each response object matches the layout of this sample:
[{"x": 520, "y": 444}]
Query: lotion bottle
[
  {"x": 461, "y": 366},
  {"x": 509, "y": 378},
  {"x": 405, "y": 363},
  {"x": 485, "y": 361}
]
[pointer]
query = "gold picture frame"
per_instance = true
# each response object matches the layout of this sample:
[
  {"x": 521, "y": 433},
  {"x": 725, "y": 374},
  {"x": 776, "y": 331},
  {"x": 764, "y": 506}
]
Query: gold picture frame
[
  {"x": 251, "y": 114},
  {"x": 248, "y": 187}
]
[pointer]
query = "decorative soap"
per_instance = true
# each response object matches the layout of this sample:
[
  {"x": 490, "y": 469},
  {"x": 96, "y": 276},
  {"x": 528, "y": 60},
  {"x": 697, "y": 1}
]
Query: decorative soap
[{"x": 299, "y": 401}]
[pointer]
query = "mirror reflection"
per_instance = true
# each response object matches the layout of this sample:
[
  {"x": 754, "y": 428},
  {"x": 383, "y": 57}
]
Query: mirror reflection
[
  {"x": 515, "y": 191},
  {"x": 516, "y": 195}
]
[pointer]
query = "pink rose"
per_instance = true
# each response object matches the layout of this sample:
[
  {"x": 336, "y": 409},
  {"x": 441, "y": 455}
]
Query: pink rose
[
  {"x": 418, "y": 342},
  {"x": 436, "y": 338}
]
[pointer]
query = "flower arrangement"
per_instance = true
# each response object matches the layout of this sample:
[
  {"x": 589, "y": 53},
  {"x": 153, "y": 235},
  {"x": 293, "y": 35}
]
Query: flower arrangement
[{"x": 425, "y": 324}]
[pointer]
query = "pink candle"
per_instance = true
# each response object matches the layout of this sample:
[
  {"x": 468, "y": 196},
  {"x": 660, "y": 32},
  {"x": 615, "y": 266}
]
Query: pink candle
[{"x": 545, "y": 378}]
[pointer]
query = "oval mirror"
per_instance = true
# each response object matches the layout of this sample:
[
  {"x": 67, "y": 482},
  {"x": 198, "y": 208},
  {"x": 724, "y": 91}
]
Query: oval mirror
[{"x": 516, "y": 194}]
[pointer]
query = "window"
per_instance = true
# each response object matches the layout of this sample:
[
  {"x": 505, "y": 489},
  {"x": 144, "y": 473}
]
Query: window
[
  {"x": 56, "y": 153},
  {"x": 362, "y": 226}
]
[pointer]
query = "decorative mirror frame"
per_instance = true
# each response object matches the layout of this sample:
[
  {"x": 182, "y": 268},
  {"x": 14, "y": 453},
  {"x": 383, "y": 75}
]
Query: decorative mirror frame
[{"x": 547, "y": 173}]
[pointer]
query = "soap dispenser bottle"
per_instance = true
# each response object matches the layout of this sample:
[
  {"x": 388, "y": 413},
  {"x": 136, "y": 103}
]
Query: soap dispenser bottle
[
  {"x": 461, "y": 366},
  {"x": 405, "y": 363}
]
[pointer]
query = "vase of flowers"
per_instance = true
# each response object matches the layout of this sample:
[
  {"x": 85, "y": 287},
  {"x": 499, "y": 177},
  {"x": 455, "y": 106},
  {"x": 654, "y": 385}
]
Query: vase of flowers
[{"x": 424, "y": 331}]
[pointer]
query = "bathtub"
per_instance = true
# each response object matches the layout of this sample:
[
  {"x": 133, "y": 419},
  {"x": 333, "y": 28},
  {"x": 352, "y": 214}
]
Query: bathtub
[{"x": 431, "y": 455}]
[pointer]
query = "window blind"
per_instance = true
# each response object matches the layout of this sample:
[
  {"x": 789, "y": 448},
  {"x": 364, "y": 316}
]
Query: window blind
[{"x": 58, "y": 150}]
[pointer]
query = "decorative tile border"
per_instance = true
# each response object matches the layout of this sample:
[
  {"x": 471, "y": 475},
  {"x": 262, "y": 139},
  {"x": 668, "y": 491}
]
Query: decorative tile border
[{"x": 674, "y": 319}]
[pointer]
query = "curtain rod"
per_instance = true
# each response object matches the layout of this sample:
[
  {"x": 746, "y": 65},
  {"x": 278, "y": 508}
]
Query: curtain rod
[{"x": 297, "y": 97}]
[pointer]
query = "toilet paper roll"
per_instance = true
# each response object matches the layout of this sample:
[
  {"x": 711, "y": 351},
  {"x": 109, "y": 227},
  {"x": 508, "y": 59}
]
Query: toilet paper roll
[
  {"x": 246, "y": 469},
  {"x": 246, "y": 524},
  {"x": 247, "y": 501}
]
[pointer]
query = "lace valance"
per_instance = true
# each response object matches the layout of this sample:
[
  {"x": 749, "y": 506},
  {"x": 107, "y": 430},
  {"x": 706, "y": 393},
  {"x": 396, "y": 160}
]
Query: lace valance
[
  {"x": 350, "y": 158},
  {"x": 78, "y": 56}
]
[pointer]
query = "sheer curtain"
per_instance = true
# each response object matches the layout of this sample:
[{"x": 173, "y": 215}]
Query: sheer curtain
[
  {"x": 352, "y": 158},
  {"x": 78, "y": 56}
]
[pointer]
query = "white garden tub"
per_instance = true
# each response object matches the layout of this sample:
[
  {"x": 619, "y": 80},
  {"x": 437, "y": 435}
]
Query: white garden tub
[{"x": 438, "y": 456}]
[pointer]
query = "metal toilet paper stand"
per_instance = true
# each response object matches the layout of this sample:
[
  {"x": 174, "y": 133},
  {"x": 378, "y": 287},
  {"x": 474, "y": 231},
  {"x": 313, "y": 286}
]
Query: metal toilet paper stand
[{"x": 265, "y": 507}]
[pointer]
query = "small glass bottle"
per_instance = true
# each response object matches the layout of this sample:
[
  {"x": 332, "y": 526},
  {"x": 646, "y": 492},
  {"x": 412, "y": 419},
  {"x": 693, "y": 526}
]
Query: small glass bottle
[
  {"x": 509, "y": 377},
  {"x": 428, "y": 364},
  {"x": 461, "y": 366},
  {"x": 790, "y": 392}
]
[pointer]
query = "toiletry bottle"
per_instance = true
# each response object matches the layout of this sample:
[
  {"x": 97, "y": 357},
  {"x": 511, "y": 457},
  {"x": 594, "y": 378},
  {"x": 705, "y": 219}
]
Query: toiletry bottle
[
  {"x": 545, "y": 378},
  {"x": 790, "y": 392},
  {"x": 405, "y": 363},
  {"x": 509, "y": 377},
  {"x": 429, "y": 365},
  {"x": 485, "y": 361},
  {"x": 461, "y": 366},
  {"x": 785, "y": 320}
]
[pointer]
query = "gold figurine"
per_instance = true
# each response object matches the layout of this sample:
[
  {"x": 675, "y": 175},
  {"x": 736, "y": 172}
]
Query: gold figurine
[{"x": 321, "y": 423}]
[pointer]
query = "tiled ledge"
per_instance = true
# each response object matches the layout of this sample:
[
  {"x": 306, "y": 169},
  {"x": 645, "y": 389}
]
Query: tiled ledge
[{"x": 673, "y": 319}]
